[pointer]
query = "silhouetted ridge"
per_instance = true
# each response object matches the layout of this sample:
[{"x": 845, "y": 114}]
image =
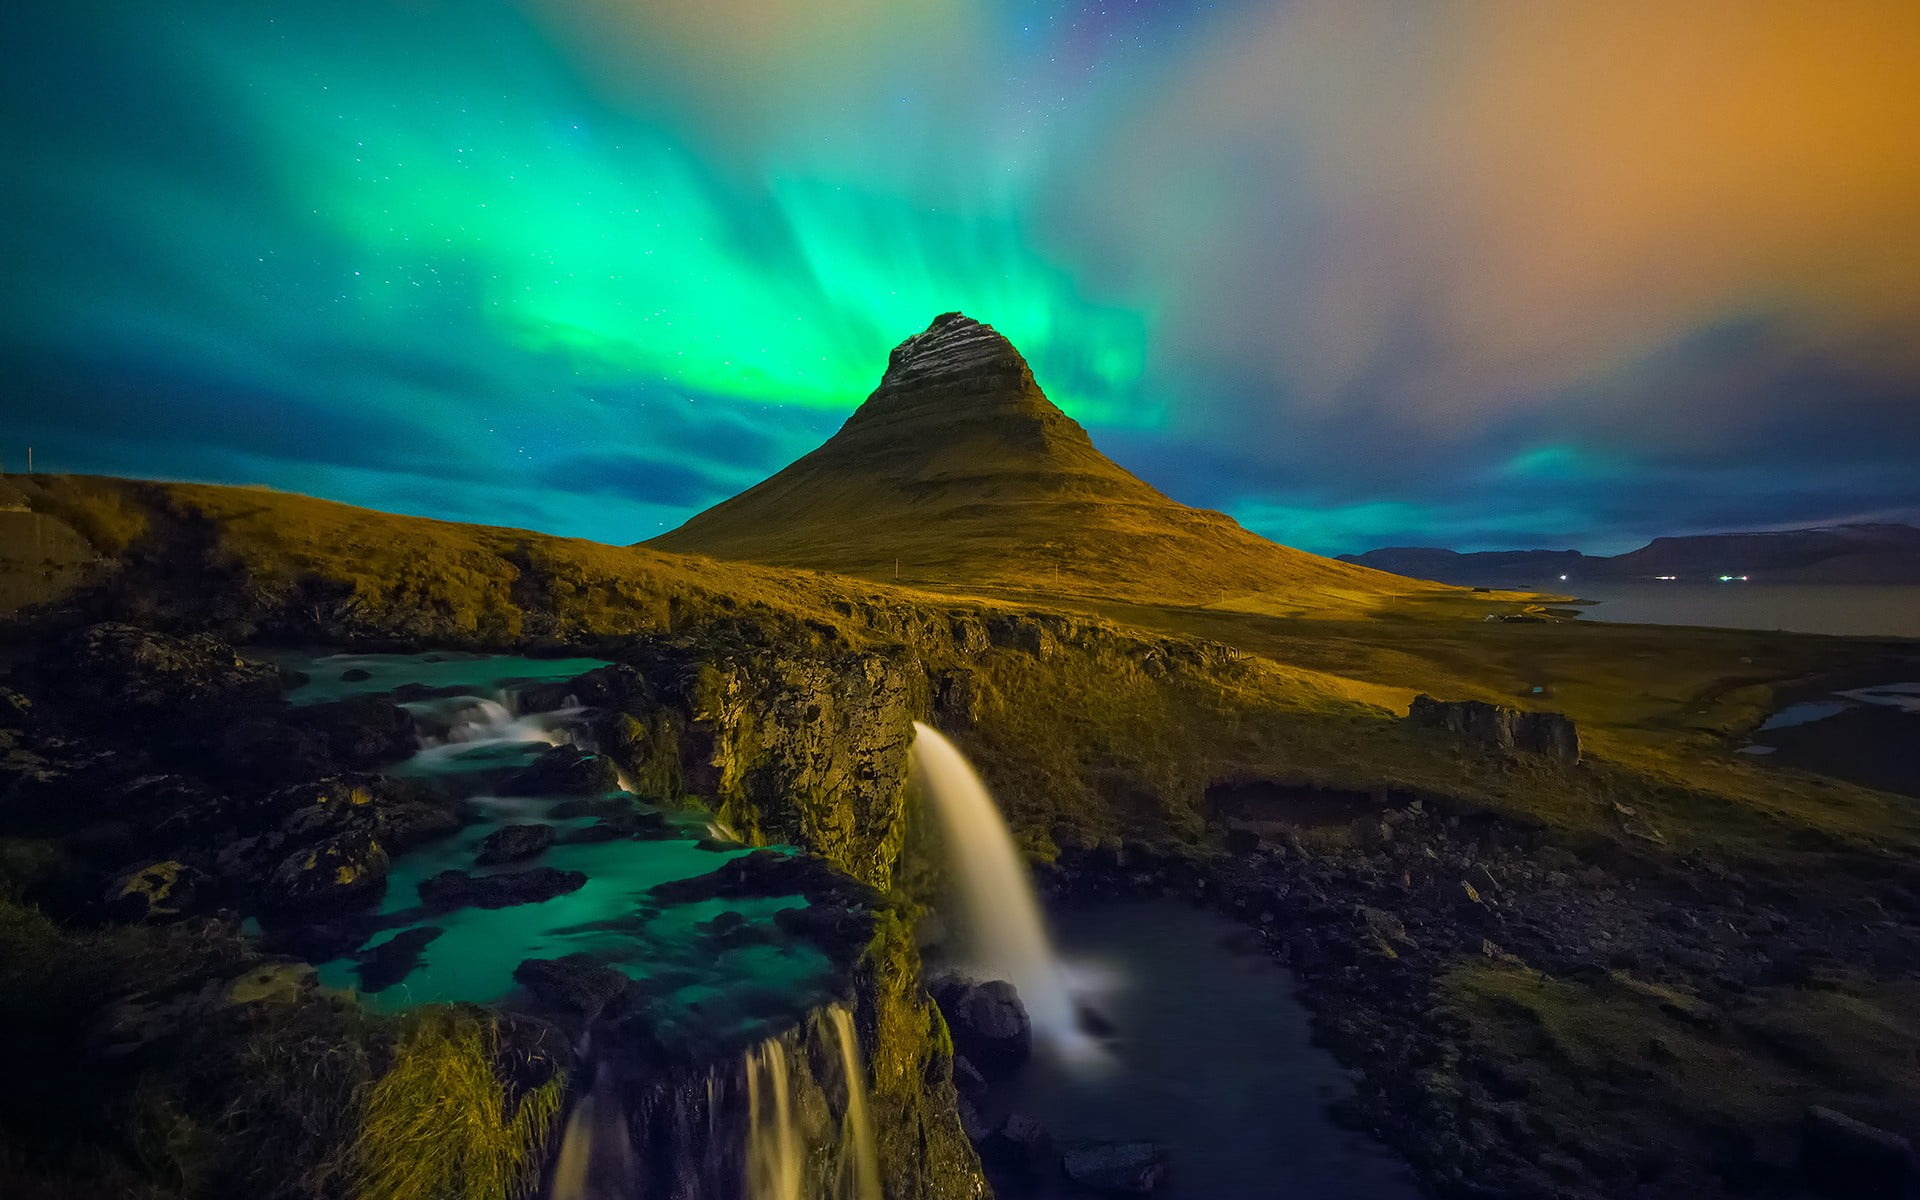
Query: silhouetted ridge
[{"x": 960, "y": 470}]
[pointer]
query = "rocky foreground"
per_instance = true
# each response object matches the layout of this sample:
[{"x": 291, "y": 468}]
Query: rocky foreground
[{"x": 1599, "y": 957}]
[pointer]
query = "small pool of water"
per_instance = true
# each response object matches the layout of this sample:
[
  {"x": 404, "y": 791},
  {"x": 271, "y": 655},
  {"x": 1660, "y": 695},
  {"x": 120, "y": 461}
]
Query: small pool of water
[
  {"x": 1211, "y": 1058},
  {"x": 484, "y": 675},
  {"x": 707, "y": 984}
]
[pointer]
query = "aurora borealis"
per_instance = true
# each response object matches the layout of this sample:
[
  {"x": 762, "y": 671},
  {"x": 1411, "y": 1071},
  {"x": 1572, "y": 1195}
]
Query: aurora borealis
[{"x": 1479, "y": 274}]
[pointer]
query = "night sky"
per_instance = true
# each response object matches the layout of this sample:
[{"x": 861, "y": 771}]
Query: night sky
[{"x": 1359, "y": 273}]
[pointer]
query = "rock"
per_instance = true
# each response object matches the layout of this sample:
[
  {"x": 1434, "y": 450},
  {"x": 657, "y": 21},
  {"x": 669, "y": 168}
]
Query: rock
[
  {"x": 355, "y": 675},
  {"x": 631, "y": 826},
  {"x": 528, "y": 1053},
  {"x": 119, "y": 669},
  {"x": 340, "y": 872},
  {"x": 139, "y": 1021},
  {"x": 458, "y": 889},
  {"x": 1843, "y": 1157},
  {"x": 989, "y": 1023},
  {"x": 394, "y": 959},
  {"x": 1020, "y": 1145},
  {"x": 1122, "y": 1168},
  {"x": 403, "y": 824},
  {"x": 162, "y": 891},
  {"x": 566, "y": 771},
  {"x": 1383, "y": 926},
  {"x": 362, "y": 732},
  {"x": 765, "y": 873},
  {"x": 1497, "y": 727},
  {"x": 574, "y": 984},
  {"x": 967, "y": 1077},
  {"x": 513, "y": 843},
  {"x": 264, "y": 751}
]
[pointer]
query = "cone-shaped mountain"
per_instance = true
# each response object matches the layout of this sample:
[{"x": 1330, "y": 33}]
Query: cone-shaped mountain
[{"x": 959, "y": 468}]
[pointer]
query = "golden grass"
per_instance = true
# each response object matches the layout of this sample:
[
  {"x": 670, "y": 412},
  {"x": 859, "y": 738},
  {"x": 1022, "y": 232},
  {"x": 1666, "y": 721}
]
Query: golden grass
[{"x": 435, "y": 1126}]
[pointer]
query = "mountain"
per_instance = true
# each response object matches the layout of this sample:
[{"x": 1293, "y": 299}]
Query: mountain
[
  {"x": 1860, "y": 553},
  {"x": 958, "y": 471},
  {"x": 1776, "y": 556}
]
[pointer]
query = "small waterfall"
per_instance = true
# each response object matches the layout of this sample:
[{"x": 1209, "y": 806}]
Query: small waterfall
[
  {"x": 774, "y": 1165},
  {"x": 772, "y": 1125},
  {"x": 1003, "y": 932},
  {"x": 596, "y": 1159},
  {"x": 859, "y": 1158},
  {"x": 791, "y": 1155}
]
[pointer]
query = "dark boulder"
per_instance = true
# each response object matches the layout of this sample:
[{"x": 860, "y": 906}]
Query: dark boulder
[
  {"x": 967, "y": 1078},
  {"x": 1845, "y": 1157},
  {"x": 119, "y": 669},
  {"x": 566, "y": 771},
  {"x": 574, "y": 984},
  {"x": 394, "y": 959},
  {"x": 405, "y": 823},
  {"x": 989, "y": 1023},
  {"x": 362, "y": 732},
  {"x": 513, "y": 843},
  {"x": 1497, "y": 727},
  {"x": 340, "y": 872},
  {"x": 766, "y": 873},
  {"x": 267, "y": 750},
  {"x": 458, "y": 889},
  {"x": 1020, "y": 1145},
  {"x": 1120, "y": 1168}
]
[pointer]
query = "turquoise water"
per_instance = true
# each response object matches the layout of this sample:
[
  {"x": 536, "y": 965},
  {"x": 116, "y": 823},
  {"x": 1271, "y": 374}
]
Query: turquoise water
[
  {"x": 699, "y": 983},
  {"x": 483, "y": 674}
]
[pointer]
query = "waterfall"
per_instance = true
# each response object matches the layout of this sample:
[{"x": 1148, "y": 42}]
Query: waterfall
[
  {"x": 596, "y": 1160},
  {"x": 780, "y": 1142},
  {"x": 859, "y": 1160},
  {"x": 1002, "y": 932},
  {"x": 773, "y": 1144}
]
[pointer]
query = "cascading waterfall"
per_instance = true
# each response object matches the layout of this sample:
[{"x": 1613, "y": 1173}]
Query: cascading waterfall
[
  {"x": 780, "y": 1147},
  {"x": 771, "y": 1129},
  {"x": 1003, "y": 933},
  {"x": 859, "y": 1158},
  {"x": 774, "y": 1166},
  {"x": 595, "y": 1161}
]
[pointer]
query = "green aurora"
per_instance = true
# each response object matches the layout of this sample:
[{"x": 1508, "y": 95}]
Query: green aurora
[{"x": 591, "y": 266}]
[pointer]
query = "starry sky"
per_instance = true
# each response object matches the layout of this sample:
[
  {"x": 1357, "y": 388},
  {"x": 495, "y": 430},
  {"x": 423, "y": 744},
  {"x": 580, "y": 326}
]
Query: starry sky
[{"x": 1473, "y": 273}]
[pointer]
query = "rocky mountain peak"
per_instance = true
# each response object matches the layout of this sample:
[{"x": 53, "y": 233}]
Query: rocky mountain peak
[{"x": 955, "y": 348}]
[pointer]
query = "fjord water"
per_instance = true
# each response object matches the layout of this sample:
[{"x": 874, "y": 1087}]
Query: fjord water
[
  {"x": 1002, "y": 934},
  {"x": 1211, "y": 1058},
  {"x": 1852, "y": 610}
]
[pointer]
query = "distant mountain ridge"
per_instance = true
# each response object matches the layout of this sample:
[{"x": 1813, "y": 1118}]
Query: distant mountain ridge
[
  {"x": 958, "y": 471},
  {"x": 1856, "y": 553}
]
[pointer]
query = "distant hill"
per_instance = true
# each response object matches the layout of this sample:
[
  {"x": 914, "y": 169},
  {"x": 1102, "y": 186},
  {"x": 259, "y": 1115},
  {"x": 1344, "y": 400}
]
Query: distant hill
[
  {"x": 1862, "y": 553},
  {"x": 958, "y": 471}
]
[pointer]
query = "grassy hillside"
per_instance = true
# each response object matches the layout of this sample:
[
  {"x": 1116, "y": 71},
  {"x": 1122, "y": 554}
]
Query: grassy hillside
[{"x": 1110, "y": 717}]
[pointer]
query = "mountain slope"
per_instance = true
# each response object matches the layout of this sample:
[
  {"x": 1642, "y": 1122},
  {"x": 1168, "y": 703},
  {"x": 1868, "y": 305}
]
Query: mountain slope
[{"x": 958, "y": 471}]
